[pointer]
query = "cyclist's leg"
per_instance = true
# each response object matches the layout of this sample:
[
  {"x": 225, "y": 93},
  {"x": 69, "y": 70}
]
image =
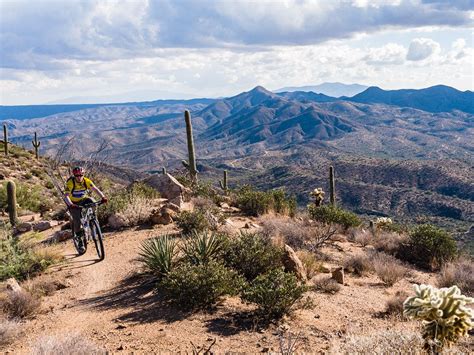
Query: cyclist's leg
[{"x": 76, "y": 220}]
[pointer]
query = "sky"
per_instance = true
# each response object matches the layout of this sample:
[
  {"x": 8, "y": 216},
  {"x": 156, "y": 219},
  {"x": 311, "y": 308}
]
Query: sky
[{"x": 94, "y": 51}]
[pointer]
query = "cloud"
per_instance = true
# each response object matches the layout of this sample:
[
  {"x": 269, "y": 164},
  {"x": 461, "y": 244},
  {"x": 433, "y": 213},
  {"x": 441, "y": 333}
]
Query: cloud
[
  {"x": 422, "y": 48},
  {"x": 390, "y": 53},
  {"x": 39, "y": 34}
]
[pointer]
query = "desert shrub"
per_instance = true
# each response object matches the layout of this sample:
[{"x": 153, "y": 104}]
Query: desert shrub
[
  {"x": 299, "y": 234},
  {"x": 428, "y": 247},
  {"x": 389, "y": 242},
  {"x": 9, "y": 330},
  {"x": 73, "y": 344},
  {"x": 274, "y": 293},
  {"x": 192, "y": 221},
  {"x": 358, "y": 264},
  {"x": 394, "y": 306},
  {"x": 20, "y": 304},
  {"x": 158, "y": 255},
  {"x": 28, "y": 196},
  {"x": 201, "y": 248},
  {"x": 251, "y": 254},
  {"x": 363, "y": 237},
  {"x": 130, "y": 206},
  {"x": 312, "y": 264},
  {"x": 20, "y": 260},
  {"x": 256, "y": 203},
  {"x": 388, "y": 268},
  {"x": 200, "y": 286},
  {"x": 326, "y": 285},
  {"x": 49, "y": 185},
  {"x": 334, "y": 214},
  {"x": 459, "y": 273},
  {"x": 42, "y": 287},
  {"x": 381, "y": 342}
]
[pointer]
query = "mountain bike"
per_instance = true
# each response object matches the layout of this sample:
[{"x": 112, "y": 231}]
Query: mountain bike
[{"x": 92, "y": 231}]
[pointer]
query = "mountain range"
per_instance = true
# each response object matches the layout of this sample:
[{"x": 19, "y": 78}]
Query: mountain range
[
  {"x": 329, "y": 89},
  {"x": 403, "y": 153}
]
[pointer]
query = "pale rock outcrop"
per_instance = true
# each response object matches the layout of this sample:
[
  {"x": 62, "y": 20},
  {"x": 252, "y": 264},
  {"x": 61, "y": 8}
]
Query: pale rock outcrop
[
  {"x": 293, "y": 264},
  {"x": 169, "y": 188}
]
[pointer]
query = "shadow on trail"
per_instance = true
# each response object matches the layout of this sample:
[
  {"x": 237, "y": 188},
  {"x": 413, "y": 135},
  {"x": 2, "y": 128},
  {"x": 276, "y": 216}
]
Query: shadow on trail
[{"x": 138, "y": 297}]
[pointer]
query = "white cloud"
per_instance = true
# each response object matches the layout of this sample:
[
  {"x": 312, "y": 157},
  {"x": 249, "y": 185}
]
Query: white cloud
[
  {"x": 390, "y": 53},
  {"x": 422, "y": 48}
]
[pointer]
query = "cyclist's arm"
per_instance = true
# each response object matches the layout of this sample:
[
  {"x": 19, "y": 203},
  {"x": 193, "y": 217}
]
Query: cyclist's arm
[
  {"x": 67, "y": 195},
  {"x": 96, "y": 190}
]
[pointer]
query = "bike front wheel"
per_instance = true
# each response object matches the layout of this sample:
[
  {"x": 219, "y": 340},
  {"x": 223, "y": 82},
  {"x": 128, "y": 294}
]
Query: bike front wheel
[{"x": 97, "y": 237}]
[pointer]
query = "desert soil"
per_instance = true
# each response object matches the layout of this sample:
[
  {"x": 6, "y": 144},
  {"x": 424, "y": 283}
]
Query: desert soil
[{"x": 109, "y": 304}]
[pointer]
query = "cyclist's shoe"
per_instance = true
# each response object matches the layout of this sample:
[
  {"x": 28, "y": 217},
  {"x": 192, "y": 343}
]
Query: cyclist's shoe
[{"x": 80, "y": 244}]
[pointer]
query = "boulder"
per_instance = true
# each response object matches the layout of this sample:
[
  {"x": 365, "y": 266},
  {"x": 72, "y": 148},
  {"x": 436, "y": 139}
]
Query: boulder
[
  {"x": 164, "y": 216},
  {"x": 61, "y": 236},
  {"x": 169, "y": 188},
  {"x": 23, "y": 227},
  {"x": 13, "y": 285},
  {"x": 172, "y": 206},
  {"x": 115, "y": 221},
  {"x": 338, "y": 275},
  {"x": 293, "y": 264},
  {"x": 42, "y": 226}
]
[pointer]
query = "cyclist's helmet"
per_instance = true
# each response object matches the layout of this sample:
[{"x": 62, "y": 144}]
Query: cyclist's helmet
[{"x": 78, "y": 171}]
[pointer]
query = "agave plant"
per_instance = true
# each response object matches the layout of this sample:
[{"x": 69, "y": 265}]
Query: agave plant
[
  {"x": 200, "y": 248},
  {"x": 158, "y": 254}
]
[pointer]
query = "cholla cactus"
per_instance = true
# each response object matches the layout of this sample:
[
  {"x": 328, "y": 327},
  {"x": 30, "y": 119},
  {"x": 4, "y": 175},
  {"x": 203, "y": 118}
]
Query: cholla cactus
[
  {"x": 318, "y": 195},
  {"x": 443, "y": 312},
  {"x": 383, "y": 222}
]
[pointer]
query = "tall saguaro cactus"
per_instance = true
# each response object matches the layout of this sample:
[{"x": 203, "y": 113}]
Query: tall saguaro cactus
[
  {"x": 163, "y": 171},
  {"x": 36, "y": 143},
  {"x": 11, "y": 200},
  {"x": 191, "y": 163},
  {"x": 5, "y": 139},
  {"x": 332, "y": 186},
  {"x": 223, "y": 182}
]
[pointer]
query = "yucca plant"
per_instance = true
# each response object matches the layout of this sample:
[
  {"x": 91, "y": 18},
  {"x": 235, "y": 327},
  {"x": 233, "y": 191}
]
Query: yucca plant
[
  {"x": 158, "y": 255},
  {"x": 200, "y": 248}
]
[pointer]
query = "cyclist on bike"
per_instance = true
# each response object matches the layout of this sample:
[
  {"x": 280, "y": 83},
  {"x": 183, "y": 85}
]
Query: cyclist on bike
[{"x": 78, "y": 193}]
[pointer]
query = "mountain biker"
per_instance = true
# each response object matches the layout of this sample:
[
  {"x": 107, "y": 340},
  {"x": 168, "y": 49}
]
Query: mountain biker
[{"x": 77, "y": 193}]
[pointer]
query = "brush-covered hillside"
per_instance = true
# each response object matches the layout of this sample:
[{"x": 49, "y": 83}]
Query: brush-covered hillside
[{"x": 193, "y": 268}]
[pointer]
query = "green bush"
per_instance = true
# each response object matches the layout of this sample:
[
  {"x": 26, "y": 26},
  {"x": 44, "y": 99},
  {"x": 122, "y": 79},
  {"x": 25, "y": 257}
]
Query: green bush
[
  {"x": 192, "y": 221},
  {"x": 28, "y": 197},
  {"x": 21, "y": 261},
  {"x": 251, "y": 254},
  {"x": 158, "y": 255},
  {"x": 192, "y": 287},
  {"x": 274, "y": 292},
  {"x": 429, "y": 247},
  {"x": 334, "y": 214},
  {"x": 256, "y": 203}
]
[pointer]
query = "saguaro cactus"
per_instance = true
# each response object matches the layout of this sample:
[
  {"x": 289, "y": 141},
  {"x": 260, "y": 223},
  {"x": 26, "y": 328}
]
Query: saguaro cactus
[
  {"x": 36, "y": 143},
  {"x": 163, "y": 171},
  {"x": 5, "y": 139},
  {"x": 11, "y": 199},
  {"x": 223, "y": 182},
  {"x": 191, "y": 163},
  {"x": 332, "y": 186}
]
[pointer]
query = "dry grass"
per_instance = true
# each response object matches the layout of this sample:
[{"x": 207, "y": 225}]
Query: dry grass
[
  {"x": 363, "y": 237},
  {"x": 388, "y": 242},
  {"x": 459, "y": 273},
  {"x": 9, "y": 330},
  {"x": 394, "y": 306},
  {"x": 312, "y": 264},
  {"x": 388, "y": 268},
  {"x": 19, "y": 305},
  {"x": 71, "y": 344},
  {"x": 359, "y": 265},
  {"x": 136, "y": 212},
  {"x": 203, "y": 203},
  {"x": 41, "y": 287},
  {"x": 327, "y": 285},
  {"x": 382, "y": 342},
  {"x": 298, "y": 233}
]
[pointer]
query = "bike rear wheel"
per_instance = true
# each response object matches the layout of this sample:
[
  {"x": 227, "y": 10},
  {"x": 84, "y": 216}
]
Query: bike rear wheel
[{"x": 97, "y": 237}]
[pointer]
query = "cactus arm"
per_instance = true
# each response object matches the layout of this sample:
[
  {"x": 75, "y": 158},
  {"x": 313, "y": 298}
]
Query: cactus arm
[
  {"x": 36, "y": 144},
  {"x": 223, "y": 183},
  {"x": 191, "y": 154},
  {"x": 5, "y": 139},
  {"x": 332, "y": 186}
]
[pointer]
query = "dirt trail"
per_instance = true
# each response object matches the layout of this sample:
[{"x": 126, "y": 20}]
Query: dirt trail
[{"x": 108, "y": 304}]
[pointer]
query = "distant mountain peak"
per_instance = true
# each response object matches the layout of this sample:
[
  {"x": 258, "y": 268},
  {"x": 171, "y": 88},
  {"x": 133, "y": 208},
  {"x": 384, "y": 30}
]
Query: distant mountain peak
[{"x": 329, "y": 89}]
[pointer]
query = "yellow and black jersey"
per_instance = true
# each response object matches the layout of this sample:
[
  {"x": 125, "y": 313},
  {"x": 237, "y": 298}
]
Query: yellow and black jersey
[{"x": 78, "y": 191}]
